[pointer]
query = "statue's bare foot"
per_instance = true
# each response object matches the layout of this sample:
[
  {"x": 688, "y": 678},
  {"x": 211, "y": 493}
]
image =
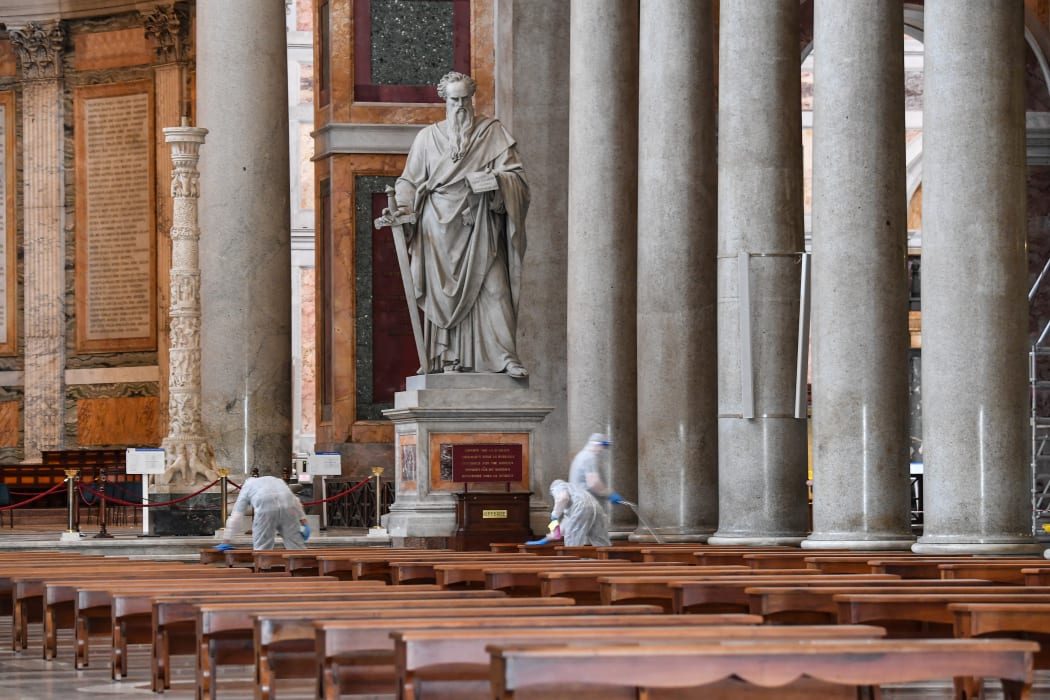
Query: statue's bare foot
[{"x": 517, "y": 370}]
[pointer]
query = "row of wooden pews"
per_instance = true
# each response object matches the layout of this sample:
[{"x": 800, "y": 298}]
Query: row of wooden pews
[{"x": 519, "y": 621}]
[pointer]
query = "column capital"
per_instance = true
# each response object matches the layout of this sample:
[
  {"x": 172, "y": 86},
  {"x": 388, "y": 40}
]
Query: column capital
[
  {"x": 169, "y": 28},
  {"x": 39, "y": 48}
]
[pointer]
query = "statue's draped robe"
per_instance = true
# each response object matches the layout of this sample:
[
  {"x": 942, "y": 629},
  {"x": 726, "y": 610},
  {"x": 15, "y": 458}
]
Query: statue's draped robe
[{"x": 465, "y": 248}]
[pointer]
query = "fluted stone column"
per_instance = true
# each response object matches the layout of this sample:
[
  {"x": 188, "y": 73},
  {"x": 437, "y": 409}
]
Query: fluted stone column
[
  {"x": 242, "y": 99},
  {"x": 860, "y": 283},
  {"x": 39, "y": 51},
  {"x": 603, "y": 191},
  {"x": 167, "y": 27},
  {"x": 761, "y": 444},
  {"x": 677, "y": 218},
  {"x": 974, "y": 272}
]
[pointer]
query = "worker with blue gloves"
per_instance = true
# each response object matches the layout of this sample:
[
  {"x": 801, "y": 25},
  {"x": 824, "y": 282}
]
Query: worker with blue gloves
[
  {"x": 276, "y": 511},
  {"x": 579, "y": 503}
]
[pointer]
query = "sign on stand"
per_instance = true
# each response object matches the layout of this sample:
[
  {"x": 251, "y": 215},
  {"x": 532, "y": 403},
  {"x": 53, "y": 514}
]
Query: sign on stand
[
  {"x": 144, "y": 461},
  {"x": 324, "y": 464}
]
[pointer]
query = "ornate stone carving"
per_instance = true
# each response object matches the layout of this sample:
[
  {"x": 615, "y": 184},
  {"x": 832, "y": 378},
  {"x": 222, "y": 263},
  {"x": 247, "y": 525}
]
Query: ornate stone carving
[
  {"x": 39, "y": 49},
  {"x": 168, "y": 27},
  {"x": 190, "y": 458}
]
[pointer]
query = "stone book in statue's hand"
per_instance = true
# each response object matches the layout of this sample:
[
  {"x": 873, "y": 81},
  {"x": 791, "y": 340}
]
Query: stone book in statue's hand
[{"x": 482, "y": 181}]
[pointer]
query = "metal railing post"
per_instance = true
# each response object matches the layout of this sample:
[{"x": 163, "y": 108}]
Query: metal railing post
[
  {"x": 224, "y": 473},
  {"x": 377, "y": 471},
  {"x": 71, "y": 503},
  {"x": 103, "y": 533}
]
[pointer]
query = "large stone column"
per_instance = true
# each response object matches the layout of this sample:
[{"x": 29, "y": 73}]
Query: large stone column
[
  {"x": 974, "y": 272},
  {"x": 242, "y": 99},
  {"x": 677, "y": 224},
  {"x": 603, "y": 191},
  {"x": 39, "y": 50},
  {"x": 761, "y": 444},
  {"x": 860, "y": 283}
]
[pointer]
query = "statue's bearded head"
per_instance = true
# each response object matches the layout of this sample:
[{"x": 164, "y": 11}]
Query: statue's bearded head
[{"x": 457, "y": 90}]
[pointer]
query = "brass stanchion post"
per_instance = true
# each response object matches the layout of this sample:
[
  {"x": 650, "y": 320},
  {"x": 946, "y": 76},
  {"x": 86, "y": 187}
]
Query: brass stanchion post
[
  {"x": 378, "y": 529},
  {"x": 71, "y": 533}
]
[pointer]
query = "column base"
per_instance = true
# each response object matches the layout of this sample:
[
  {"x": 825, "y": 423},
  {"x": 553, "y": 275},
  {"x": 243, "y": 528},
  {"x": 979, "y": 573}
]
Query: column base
[
  {"x": 70, "y": 536},
  {"x": 844, "y": 541},
  {"x": 989, "y": 548},
  {"x": 756, "y": 540},
  {"x": 669, "y": 535}
]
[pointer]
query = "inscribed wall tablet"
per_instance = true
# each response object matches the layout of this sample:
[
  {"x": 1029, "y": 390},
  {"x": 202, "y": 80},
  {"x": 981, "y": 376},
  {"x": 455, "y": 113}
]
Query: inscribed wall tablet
[
  {"x": 8, "y": 259},
  {"x": 116, "y": 241}
]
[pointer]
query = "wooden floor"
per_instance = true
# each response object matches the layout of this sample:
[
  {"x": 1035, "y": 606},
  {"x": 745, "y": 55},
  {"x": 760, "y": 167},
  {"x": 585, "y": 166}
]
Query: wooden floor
[{"x": 26, "y": 676}]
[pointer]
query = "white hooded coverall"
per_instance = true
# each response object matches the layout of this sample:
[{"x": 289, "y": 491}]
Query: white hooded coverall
[{"x": 277, "y": 510}]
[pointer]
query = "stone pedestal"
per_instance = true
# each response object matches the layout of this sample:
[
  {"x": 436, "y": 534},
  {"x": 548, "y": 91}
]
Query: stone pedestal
[
  {"x": 437, "y": 411},
  {"x": 199, "y": 515}
]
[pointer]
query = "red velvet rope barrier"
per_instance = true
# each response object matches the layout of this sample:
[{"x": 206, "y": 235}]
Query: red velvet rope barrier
[
  {"x": 338, "y": 495},
  {"x": 122, "y": 502},
  {"x": 50, "y": 491},
  {"x": 233, "y": 483}
]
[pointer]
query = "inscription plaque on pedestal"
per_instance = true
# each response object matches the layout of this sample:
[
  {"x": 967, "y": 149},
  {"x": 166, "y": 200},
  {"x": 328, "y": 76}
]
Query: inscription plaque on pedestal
[
  {"x": 485, "y": 462},
  {"x": 116, "y": 241}
]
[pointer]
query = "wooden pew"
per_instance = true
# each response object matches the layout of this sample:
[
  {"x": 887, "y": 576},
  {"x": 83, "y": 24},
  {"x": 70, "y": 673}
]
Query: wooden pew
[
  {"x": 340, "y": 644},
  {"x": 727, "y": 595},
  {"x": 786, "y": 604},
  {"x": 978, "y": 619},
  {"x": 856, "y": 563},
  {"x": 866, "y": 662},
  {"x": 422, "y": 570},
  {"x": 616, "y": 590},
  {"x": 359, "y": 567},
  {"x": 174, "y": 617},
  {"x": 475, "y": 573},
  {"x": 918, "y": 614},
  {"x": 27, "y": 600},
  {"x": 425, "y": 658},
  {"x": 988, "y": 569},
  {"x": 306, "y": 559},
  {"x": 128, "y": 609},
  {"x": 62, "y": 612},
  {"x": 225, "y": 631},
  {"x": 636, "y": 552},
  {"x": 58, "y": 597},
  {"x": 798, "y": 559},
  {"x": 285, "y": 644},
  {"x": 585, "y": 586},
  {"x": 926, "y": 567}
]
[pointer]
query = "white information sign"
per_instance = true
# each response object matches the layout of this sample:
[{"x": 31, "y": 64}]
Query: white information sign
[
  {"x": 145, "y": 460},
  {"x": 324, "y": 464}
]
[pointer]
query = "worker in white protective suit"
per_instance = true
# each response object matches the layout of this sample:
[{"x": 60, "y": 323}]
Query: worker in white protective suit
[
  {"x": 579, "y": 503},
  {"x": 276, "y": 511}
]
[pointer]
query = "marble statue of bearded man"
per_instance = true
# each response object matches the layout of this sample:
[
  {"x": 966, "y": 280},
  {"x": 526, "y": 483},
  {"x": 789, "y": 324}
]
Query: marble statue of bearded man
[{"x": 464, "y": 181}]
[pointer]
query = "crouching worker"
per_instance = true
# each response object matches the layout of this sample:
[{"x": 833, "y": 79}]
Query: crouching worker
[
  {"x": 581, "y": 517},
  {"x": 277, "y": 511}
]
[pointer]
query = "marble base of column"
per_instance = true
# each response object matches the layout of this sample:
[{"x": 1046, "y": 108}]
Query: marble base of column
[
  {"x": 669, "y": 536},
  {"x": 770, "y": 540},
  {"x": 845, "y": 541},
  {"x": 1021, "y": 545}
]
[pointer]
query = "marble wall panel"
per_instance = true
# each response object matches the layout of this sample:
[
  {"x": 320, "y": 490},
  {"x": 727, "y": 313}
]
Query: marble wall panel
[
  {"x": 308, "y": 324},
  {"x": 118, "y": 421},
  {"x": 113, "y": 49},
  {"x": 8, "y": 65},
  {"x": 9, "y": 423}
]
